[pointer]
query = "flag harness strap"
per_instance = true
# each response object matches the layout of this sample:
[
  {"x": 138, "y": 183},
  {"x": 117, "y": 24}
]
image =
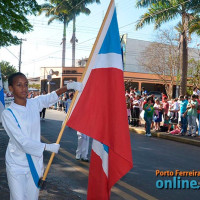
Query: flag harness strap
[{"x": 29, "y": 158}]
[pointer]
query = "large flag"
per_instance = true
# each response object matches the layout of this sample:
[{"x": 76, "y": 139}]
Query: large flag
[
  {"x": 2, "y": 103},
  {"x": 100, "y": 111}
]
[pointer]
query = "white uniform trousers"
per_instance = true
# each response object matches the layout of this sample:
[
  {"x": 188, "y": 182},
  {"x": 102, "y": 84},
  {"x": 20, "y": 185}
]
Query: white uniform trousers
[
  {"x": 22, "y": 186},
  {"x": 83, "y": 146}
]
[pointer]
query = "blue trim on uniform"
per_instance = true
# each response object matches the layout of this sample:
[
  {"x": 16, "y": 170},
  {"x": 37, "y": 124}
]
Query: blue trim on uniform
[
  {"x": 111, "y": 43},
  {"x": 29, "y": 158},
  {"x": 2, "y": 97}
]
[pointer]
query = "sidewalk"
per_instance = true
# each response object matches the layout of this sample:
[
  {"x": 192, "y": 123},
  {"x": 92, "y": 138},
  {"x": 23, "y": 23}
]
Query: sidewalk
[{"x": 178, "y": 138}]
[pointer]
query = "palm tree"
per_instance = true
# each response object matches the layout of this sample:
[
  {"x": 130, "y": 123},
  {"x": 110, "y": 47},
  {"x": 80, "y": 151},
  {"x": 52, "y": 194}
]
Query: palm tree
[
  {"x": 161, "y": 11},
  {"x": 52, "y": 10},
  {"x": 66, "y": 11},
  {"x": 194, "y": 25},
  {"x": 76, "y": 7}
]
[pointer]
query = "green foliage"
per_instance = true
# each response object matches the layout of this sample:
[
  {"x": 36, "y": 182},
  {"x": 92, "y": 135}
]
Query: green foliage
[
  {"x": 189, "y": 91},
  {"x": 194, "y": 25},
  {"x": 194, "y": 73},
  {"x": 161, "y": 11},
  {"x": 7, "y": 70},
  {"x": 65, "y": 10},
  {"x": 36, "y": 86},
  {"x": 13, "y": 19}
]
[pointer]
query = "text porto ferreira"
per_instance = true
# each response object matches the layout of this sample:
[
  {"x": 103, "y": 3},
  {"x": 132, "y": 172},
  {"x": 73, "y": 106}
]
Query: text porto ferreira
[{"x": 178, "y": 179}]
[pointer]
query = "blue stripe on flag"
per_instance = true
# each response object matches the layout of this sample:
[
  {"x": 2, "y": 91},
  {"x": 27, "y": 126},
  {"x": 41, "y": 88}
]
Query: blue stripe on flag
[
  {"x": 106, "y": 148},
  {"x": 111, "y": 43}
]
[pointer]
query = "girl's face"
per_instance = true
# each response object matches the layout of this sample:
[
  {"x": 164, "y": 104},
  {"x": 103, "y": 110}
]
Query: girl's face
[
  {"x": 19, "y": 87},
  {"x": 149, "y": 102}
]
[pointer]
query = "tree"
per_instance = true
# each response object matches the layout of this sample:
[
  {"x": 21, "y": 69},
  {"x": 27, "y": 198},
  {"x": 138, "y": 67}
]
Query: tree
[
  {"x": 65, "y": 11},
  {"x": 194, "y": 72},
  {"x": 13, "y": 19},
  {"x": 7, "y": 69},
  {"x": 34, "y": 85},
  {"x": 161, "y": 11},
  {"x": 162, "y": 58}
]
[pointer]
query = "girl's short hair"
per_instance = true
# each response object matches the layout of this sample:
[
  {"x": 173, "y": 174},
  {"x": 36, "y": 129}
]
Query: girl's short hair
[{"x": 13, "y": 76}]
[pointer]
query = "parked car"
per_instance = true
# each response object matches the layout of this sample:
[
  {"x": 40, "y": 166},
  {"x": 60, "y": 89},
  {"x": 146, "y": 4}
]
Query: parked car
[{"x": 157, "y": 94}]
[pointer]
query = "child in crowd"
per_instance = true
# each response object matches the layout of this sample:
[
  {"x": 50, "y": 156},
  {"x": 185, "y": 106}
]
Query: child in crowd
[
  {"x": 174, "y": 109},
  {"x": 157, "y": 114},
  {"x": 68, "y": 102},
  {"x": 165, "y": 126},
  {"x": 165, "y": 106},
  {"x": 136, "y": 110},
  {"x": 60, "y": 103},
  {"x": 192, "y": 115},
  {"x": 148, "y": 115}
]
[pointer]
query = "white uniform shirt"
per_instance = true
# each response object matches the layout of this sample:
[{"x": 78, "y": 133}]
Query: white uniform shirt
[{"x": 26, "y": 139}]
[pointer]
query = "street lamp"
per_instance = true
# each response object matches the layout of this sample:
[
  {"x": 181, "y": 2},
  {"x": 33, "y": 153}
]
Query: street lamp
[{"x": 49, "y": 77}]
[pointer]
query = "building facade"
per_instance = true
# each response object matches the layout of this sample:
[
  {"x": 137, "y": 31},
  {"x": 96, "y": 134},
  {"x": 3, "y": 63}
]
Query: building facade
[{"x": 133, "y": 51}]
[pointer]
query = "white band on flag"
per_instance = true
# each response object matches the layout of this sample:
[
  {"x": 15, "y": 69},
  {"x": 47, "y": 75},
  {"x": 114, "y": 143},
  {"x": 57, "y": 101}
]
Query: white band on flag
[
  {"x": 109, "y": 60},
  {"x": 98, "y": 148}
]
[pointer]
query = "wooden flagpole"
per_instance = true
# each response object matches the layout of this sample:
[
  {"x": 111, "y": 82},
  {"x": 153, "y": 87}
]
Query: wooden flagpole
[{"x": 75, "y": 96}]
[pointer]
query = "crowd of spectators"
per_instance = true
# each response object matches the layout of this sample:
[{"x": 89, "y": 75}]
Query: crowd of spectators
[{"x": 176, "y": 116}]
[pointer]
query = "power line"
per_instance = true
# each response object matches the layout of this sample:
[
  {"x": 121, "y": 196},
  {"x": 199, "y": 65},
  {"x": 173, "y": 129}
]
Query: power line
[{"x": 11, "y": 53}]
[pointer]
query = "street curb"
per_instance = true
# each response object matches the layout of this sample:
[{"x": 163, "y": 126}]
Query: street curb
[{"x": 167, "y": 136}]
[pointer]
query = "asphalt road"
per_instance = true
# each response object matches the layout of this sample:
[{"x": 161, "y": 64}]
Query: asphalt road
[{"x": 68, "y": 177}]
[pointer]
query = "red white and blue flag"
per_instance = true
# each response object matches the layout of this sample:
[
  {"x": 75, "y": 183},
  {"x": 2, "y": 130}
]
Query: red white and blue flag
[{"x": 100, "y": 111}]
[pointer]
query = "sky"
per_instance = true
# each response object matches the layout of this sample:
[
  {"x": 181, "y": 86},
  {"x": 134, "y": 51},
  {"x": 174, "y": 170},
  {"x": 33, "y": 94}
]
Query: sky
[{"x": 42, "y": 46}]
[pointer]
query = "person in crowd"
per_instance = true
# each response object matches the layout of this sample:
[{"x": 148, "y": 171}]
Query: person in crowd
[
  {"x": 174, "y": 108},
  {"x": 42, "y": 113},
  {"x": 136, "y": 91},
  {"x": 55, "y": 106},
  {"x": 143, "y": 92},
  {"x": 127, "y": 93},
  {"x": 68, "y": 102},
  {"x": 82, "y": 147},
  {"x": 131, "y": 90},
  {"x": 164, "y": 96},
  {"x": 21, "y": 121},
  {"x": 128, "y": 107},
  {"x": 148, "y": 115},
  {"x": 192, "y": 115},
  {"x": 153, "y": 102},
  {"x": 132, "y": 98},
  {"x": 136, "y": 110},
  {"x": 157, "y": 114},
  {"x": 32, "y": 94},
  {"x": 165, "y": 106},
  {"x": 165, "y": 126},
  {"x": 60, "y": 103},
  {"x": 64, "y": 99},
  {"x": 183, "y": 113},
  {"x": 196, "y": 91}
]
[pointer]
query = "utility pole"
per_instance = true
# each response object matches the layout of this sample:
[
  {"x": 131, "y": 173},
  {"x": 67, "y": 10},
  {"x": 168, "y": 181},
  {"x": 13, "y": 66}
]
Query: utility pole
[
  {"x": 63, "y": 52},
  {"x": 73, "y": 41},
  {"x": 20, "y": 54}
]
